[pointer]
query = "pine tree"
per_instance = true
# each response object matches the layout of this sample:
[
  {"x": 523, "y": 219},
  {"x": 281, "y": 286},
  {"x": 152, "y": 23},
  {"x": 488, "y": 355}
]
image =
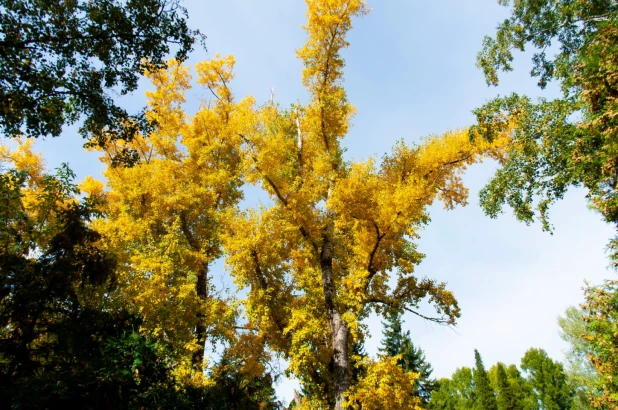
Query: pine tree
[
  {"x": 393, "y": 335},
  {"x": 486, "y": 399},
  {"x": 521, "y": 389},
  {"x": 506, "y": 399},
  {"x": 396, "y": 342}
]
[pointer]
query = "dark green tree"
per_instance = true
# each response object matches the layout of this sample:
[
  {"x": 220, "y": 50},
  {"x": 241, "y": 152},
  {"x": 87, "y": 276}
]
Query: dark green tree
[
  {"x": 65, "y": 59},
  {"x": 46, "y": 257},
  {"x": 396, "y": 342},
  {"x": 486, "y": 399},
  {"x": 520, "y": 389},
  {"x": 392, "y": 335},
  {"x": 506, "y": 398},
  {"x": 58, "y": 348},
  {"x": 547, "y": 380},
  {"x": 61, "y": 345}
]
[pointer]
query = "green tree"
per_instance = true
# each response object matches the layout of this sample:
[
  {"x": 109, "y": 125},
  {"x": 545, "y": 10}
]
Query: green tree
[
  {"x": 233, "y": 389},
  {"x": 457, "y": 393},
  {"x": 58, "y": 348},
  {"x": 396, "y": 342},
  {"x": 509, "y": 387},
  {"x": 569, "y": 141},
  {"x": 49, "y": 264},
  {"x": 581, "y": 374},
  {"x": 486, "y": 399},
  {"x": 62, "y": 343},
  {"x": 547, "y": 380},
  {"x": 521, "y": 389},
  {"x": 61, "y": 60},
  {"x": 601, "y": 317}
]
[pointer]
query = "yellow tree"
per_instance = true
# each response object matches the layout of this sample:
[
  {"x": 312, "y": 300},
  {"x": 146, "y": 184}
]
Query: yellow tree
[
  {"x": 164, "y": 215},
  {"x": 336, "y": 240}
]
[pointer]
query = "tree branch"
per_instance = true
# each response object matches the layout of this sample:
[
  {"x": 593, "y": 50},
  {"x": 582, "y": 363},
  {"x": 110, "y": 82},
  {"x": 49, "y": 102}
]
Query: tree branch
[{"x": 439, "y": 320}]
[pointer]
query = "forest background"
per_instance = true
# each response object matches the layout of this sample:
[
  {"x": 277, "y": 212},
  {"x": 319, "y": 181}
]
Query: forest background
[{"x": 411, "y": 72}]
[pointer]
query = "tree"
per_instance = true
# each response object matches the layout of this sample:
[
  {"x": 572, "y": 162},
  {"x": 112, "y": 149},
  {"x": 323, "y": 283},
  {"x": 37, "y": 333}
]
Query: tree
[
  {"x": 317, "y": 258},
  {"x": 569, "y": 141},
  {"x": 60, "y": 347},
  {"x": 565, "y": 142},
  {"x": 521, "y": 389},
  {"x": 164, "y": 216},
  {"x": 506, "y": 398},
  {"x": 48, "y": 253},
  {"x": 65, "y": 341},
  {"x": 234, "y": 389},
  {"x": 412, "y": 359},
  {"x": 385, "y": 382},
  {"x": 513, "y": 391},
  {"x": 63, "y": 60},
  {"x": 486, "y": 399},
  {"x": 601, "y": 317},
  {"x": 581, "y": 374},
  {"x": 393, "y": 335},
  {"x": 457, "y": 393},
  {"x": 547, "y": 380}
]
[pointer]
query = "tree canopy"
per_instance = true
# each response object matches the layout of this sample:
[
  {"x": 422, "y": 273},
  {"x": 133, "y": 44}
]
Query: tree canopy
[
  {"x": 62, "y": 61},
  {"x": 568, "y": 141},
  {"x": 542, "y": 386}
]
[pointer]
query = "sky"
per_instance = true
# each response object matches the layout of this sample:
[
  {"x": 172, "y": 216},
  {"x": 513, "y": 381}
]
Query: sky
[{"x": 410, "y": 72}]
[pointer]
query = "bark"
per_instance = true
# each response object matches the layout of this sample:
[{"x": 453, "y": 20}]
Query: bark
[
  {"x": 338, "y": 327},
  {"x": 201, "y": 288}
]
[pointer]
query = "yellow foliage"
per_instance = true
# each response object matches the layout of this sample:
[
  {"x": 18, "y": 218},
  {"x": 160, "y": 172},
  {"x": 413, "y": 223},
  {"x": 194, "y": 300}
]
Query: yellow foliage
[
  {"x": 165, "y": 215},
  {"x": 316, "y": 259},
  {"x": 384, "y": 386},
  {"x": 369, "y": 213},
  {"x": 41, "y": 199}
]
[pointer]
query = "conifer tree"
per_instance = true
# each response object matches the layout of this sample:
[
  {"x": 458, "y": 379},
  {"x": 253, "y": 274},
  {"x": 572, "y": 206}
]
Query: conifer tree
[
  {"x": 521, "y": 389},
  {"x": 486, "y": 399},
  {"x": 506, "y": 399},
  {"x": 396, "y": 342},
  {"x": 393, "y": 335}
]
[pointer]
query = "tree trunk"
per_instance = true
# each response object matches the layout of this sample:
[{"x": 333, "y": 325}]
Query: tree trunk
[
  {"x": 201, "y": 288},
  {"x": 338, "y": 327}
]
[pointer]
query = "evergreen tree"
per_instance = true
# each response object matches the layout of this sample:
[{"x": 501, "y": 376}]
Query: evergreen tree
[
  {"x": 393, "y": 335},
  {"x": 521, "y": 389},
  {"x": 396, "y": 342},
  {"x": 506, "y": 399},
  {"x": 486, "y": 399}
]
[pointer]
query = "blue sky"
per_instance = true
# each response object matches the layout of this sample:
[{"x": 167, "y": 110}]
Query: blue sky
[{"x": 411, "y": 72}]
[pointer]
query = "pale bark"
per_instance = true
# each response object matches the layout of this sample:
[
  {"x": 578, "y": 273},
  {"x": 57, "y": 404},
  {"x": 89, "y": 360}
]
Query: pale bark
[{"x": 338, "y": 327}]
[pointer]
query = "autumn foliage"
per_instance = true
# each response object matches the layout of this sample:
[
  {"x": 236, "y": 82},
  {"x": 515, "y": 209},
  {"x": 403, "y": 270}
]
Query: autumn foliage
[{"x": 335, "y": 242}]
